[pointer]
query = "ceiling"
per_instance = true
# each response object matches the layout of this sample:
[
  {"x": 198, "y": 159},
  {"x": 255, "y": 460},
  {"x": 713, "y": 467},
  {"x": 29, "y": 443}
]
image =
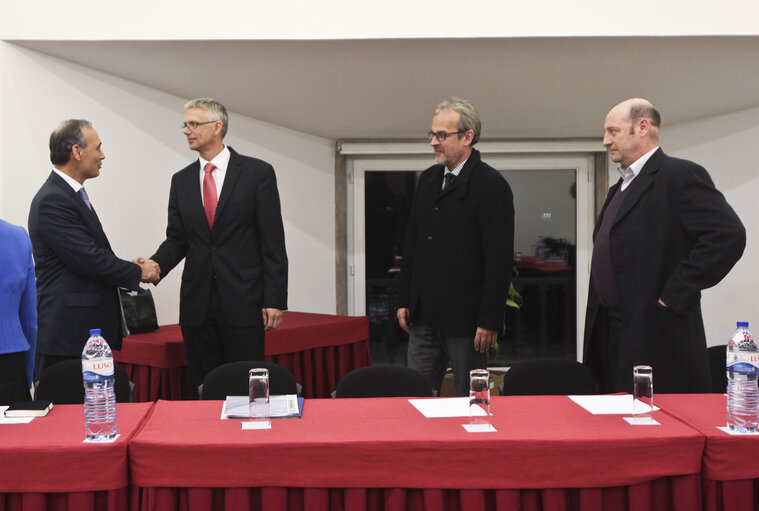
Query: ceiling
[{"x": 387, "y": 89}]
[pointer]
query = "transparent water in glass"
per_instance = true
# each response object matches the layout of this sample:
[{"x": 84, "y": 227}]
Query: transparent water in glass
[
  {"x": 479, "y": 393},
  {"x": 643, "y": 391},
  {"x": 258, "y": 387}
]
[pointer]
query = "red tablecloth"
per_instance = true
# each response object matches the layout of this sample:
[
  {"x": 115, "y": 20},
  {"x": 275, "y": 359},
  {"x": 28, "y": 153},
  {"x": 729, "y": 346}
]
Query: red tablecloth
[
  {"x": 44, "y": 464},
  {"x": 318, "y": 348},
  {"x": 730, "y": 470},
  {"x": 547, "y": 454}
]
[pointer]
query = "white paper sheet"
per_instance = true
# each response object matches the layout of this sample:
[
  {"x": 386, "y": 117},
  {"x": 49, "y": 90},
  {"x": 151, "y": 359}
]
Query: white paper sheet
[
  {"x": 607, "y": 405},
  {"x": 444, "y": 407},
  {"x": 479, "y": 428},
  {"x": 13, "y": 420},
  {"x": 237, "y": 407},
  {"x": 642, "y": 421},
  {"x": 256, "y": 424}
]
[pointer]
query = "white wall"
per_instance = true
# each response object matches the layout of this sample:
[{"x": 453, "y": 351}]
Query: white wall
[
  {"x": 724, "y": 146},
  {"x": 144, "y": 146},
  {"x": 348, "y": 19}
]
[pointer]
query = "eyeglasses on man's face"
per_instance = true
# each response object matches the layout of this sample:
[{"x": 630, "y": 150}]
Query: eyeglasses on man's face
[
  {"x": 442, "y": 135},
  {"x": 193, "y": 124}
]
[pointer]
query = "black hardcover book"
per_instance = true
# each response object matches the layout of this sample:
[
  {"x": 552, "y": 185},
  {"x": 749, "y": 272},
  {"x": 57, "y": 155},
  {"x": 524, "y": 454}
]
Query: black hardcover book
[{"x": 29, "y": 409}]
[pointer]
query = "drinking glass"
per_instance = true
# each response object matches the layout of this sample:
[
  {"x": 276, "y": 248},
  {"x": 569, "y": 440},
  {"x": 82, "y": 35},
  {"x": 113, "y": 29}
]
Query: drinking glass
[
  {"x": 643, "y": 391},
  {"x": 258, "y": 386},
  {"x": 479, "y": 393}
]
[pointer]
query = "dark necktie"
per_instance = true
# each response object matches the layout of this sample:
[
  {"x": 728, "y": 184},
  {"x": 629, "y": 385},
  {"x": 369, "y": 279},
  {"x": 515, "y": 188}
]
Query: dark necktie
[
  {"x": 85, "y": 198},
  {"x": 447, "y": 179},
  {"x": 210, "y": 199}
]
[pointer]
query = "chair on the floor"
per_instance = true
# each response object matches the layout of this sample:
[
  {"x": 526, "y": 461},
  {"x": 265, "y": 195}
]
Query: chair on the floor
[
  {"x": 383, "y": 380},
  {"x": 231, "y": 379},
  {"x": 717, "y": 365},
  {"x": 62, "y": 384},
  {"x": 548, "y": 376}
]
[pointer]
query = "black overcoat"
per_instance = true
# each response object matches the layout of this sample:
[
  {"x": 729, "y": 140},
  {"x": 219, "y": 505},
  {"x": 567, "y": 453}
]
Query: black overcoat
[
  {"x": 459, "y": 250},
  {"x": 674, "y": 235}
]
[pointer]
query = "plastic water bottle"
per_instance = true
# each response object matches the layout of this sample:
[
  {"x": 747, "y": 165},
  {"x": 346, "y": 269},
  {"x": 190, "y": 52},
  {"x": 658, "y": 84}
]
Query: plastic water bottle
[
  {"x": 742, "y": 372},
  {"x": 99, "y": 394}
]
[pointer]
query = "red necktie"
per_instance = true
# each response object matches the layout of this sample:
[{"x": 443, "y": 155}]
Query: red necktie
[{"x": 210, "y": 199}]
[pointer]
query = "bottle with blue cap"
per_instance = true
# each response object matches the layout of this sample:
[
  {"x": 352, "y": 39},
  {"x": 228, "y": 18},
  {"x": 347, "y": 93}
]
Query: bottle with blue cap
[
  {"x": 742, "y": 372},
  {"x": 99, "y": 391}
]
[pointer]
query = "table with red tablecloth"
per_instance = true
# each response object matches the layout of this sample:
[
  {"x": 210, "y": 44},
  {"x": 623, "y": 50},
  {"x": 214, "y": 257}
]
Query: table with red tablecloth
[
  {"x": 355, "y": 454},
  {"x": 318, "y": 348},
  {"x": 730, "y": 469},
  {"x": 45, "y": 466}
]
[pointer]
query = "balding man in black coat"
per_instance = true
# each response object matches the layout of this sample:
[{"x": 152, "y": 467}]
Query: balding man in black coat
[{"x": 665, "y": 233}]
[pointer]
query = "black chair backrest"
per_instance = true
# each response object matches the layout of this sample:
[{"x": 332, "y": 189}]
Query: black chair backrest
[
  {"x": 549, "y": 377},
  {"x": 383, "y": 380},
  {"x": 231, "y": 379},
  {"x": 62, "y": 384},
  {"x": 717, "y": 365}
]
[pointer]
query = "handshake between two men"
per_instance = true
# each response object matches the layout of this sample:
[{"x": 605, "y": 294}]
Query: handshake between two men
[{"x": 151, "y": 272}]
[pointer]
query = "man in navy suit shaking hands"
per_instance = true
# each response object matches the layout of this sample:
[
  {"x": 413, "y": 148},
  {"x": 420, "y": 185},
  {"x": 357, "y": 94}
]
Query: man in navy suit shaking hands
[{"x": 77, "y": 272}]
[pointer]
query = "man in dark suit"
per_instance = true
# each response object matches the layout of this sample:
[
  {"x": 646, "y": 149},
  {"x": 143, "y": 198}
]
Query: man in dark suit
[
  {"x": 225, "y": 219},
  {"x": 665, "y": 233},
  {"x": 77, "y": 272},
  {"x": 458, "y": 255}
]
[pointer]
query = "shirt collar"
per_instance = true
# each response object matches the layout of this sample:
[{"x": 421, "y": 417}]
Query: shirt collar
[
  {"x": 634, "y": 169},
  {"x": 73, "y": 183},
  {"x": 457, "y": 169},
  {"x": 220, "y": 161}
]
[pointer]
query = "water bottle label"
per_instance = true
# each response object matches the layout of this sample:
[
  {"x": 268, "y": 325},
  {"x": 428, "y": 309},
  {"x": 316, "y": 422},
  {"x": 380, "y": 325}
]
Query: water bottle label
[
  {"x": 743, "y": 363},
  {"x": 97, "y": 369}
]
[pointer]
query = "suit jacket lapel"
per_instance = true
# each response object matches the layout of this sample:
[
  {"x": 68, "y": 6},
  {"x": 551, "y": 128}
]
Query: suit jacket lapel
[
  {"x": 640, "y": 184},
  {"x": 90, "y": 217},
  {"x": 190, "y": 189},
  {"x": 233, "y": 172}
]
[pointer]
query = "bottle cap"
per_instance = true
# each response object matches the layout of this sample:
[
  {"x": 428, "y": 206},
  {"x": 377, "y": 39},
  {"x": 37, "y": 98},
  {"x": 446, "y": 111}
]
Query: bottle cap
[
  {"x": 743, "y": 324},
  {"x": 96, "y": 331}
]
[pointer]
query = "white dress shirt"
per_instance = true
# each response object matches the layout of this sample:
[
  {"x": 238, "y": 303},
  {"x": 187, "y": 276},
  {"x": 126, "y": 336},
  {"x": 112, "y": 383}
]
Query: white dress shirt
[
  {"x": 455, "y": 171},
  {"x": 629, "y": 173},
  {"x": 73, "y": 183},
  {"x": 220, "y": 161}
]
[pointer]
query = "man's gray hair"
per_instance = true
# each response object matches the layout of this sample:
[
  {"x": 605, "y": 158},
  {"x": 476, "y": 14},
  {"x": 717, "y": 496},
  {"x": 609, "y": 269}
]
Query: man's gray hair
[
  {"x": 216, "y": 111},
  {"x": 65, "y": 137},
  {"x": 469, "y": 119}
]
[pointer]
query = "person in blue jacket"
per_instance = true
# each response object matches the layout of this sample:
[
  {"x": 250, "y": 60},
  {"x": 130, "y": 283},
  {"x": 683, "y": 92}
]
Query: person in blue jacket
[{"x": 18, "y": 314}]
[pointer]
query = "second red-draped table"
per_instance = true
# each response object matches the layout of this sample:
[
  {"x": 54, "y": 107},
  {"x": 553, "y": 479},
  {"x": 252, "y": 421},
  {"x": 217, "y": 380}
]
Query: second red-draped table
[
  {"x": 355, "y": 454},
  {"x": 318, "y": 348},
  {"x": 730, "y": 471}
]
